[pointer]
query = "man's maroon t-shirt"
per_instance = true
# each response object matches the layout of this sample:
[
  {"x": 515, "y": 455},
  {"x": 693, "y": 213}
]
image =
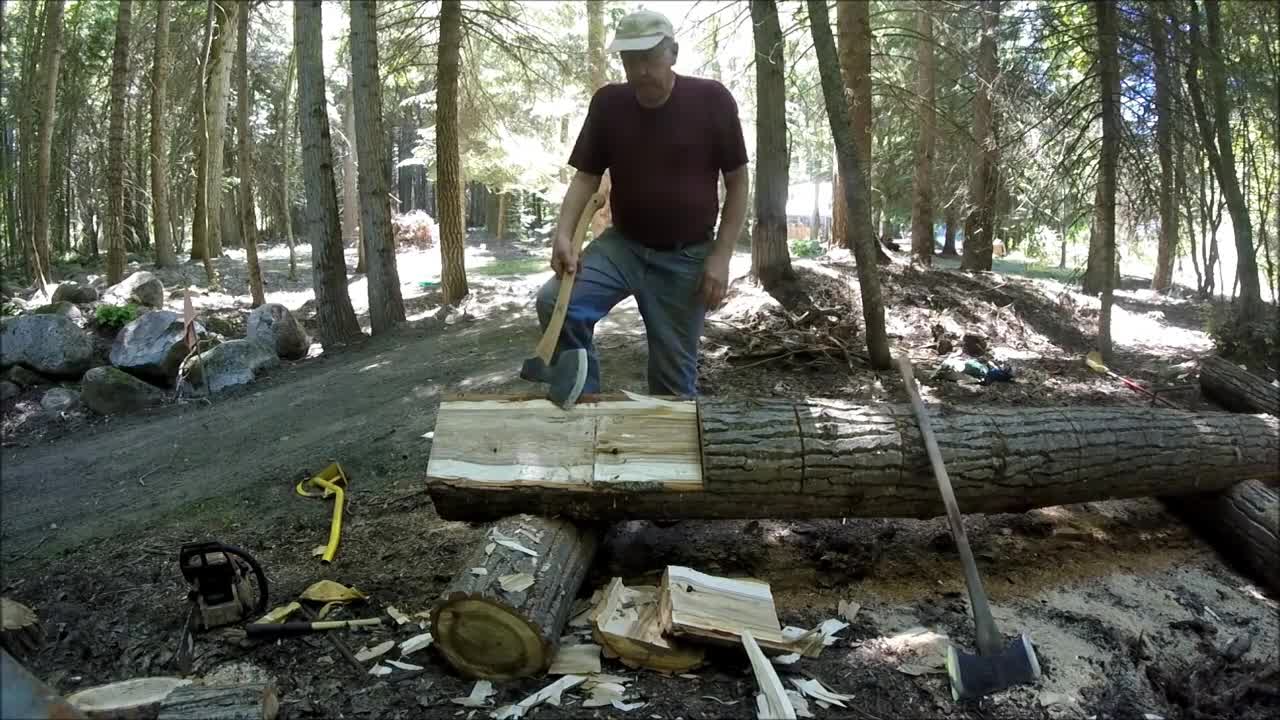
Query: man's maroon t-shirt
[{"x": 664, "y": 162}]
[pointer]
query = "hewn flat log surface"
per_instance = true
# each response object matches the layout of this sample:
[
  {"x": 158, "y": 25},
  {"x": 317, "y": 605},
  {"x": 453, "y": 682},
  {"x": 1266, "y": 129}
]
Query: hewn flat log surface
[
  {"x": 503, "y": 614},
  {"x": 827, "y": 458}
]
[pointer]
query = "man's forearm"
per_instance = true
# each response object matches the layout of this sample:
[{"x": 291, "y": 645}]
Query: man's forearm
[
  {"x": 734, "y": 213},
  {"x": 580, "y": 191}
]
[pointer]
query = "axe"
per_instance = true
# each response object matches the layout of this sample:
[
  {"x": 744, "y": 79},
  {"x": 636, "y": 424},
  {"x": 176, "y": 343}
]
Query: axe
[{"x": 567, "y": 375}]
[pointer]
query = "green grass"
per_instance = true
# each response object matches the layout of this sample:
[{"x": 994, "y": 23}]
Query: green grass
[{"x": 520, "y": 266}]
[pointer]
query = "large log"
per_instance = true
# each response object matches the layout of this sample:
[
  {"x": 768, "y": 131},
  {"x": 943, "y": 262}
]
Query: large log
[
  {"x": 1244, "y": 520},
  {"x": 712, "y": 458},
  {"x": 250, "y": 701},
  {"x": 502, "y": 616},
  {"x": 1236, "y": 389}
]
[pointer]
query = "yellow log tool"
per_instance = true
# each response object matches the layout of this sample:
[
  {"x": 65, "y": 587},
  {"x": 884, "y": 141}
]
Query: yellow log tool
[{"x": 331, "y": 481}]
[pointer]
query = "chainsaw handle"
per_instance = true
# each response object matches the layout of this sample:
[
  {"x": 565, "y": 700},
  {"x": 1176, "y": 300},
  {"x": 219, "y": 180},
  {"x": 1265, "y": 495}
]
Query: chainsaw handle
[{"x": 257, "y": 573}]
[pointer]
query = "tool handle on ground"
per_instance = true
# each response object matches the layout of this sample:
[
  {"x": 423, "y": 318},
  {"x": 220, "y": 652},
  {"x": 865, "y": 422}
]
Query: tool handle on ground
[
  {"x": 1094, "y": 361},
  {"x": 297, "y": 628},
  {"x": 988, "y": 636},
  {"x": 547, "y": 345}
]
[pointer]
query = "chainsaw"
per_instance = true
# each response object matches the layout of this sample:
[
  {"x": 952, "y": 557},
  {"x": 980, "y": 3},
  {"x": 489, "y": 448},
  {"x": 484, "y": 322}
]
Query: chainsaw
[{"x": 227, "y": 586}]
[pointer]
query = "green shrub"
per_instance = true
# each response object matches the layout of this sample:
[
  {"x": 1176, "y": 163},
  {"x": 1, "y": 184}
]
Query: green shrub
[
  {"x": 806, "y": 248},
  {"x": 115, "y": 316}
]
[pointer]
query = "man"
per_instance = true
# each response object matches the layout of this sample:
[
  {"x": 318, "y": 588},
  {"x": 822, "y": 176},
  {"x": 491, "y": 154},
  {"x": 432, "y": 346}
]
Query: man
[{"x": 665, "y": 139}]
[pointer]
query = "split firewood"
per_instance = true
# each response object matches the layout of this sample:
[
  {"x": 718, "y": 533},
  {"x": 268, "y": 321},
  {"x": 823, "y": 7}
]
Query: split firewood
[
  {"x": 627, "y": 624},
  {"x": 21, "y": 633},
  {"x": 251, "y": 701},
  {"x": 719, "y": 610}
]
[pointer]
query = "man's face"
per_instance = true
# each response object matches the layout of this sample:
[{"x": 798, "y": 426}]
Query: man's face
[{"x": 649, "y": 72}]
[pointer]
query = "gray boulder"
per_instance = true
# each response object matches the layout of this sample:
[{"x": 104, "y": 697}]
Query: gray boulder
[
  {"x": 49, "y": 344},
  {"x": 23, "y": 377},
  {"x": 235, "y": 362},
  {"x": 152, "y": 347},
  {"x": 274, "y": 326},
  {"x": 8, "y": 390},
  {"x": 59, "y": 400},
  {"x": 142, "y": 288},
  {"x": 109, "y": 390},
  {"x": 64, "y": 308},
  {"x": 75, "y": 292}
]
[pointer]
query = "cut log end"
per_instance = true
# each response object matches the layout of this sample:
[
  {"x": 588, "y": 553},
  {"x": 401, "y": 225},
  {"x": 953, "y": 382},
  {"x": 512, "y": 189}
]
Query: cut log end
[
  {"x": 482, "y": 638},
  {"x": 21, "y": 633}
]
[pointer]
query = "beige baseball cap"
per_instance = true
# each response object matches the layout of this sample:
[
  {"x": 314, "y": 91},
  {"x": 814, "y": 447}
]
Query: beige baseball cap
[{"x": 641, "y": 30}]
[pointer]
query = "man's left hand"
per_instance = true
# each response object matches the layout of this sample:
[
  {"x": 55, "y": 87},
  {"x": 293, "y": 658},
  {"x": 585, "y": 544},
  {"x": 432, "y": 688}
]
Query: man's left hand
[{"x": 715, "y": 280}]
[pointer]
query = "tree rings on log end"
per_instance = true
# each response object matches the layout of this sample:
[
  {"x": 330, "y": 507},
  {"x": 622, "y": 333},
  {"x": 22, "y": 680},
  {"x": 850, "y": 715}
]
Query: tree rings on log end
[{"x": 483, "y": 639}]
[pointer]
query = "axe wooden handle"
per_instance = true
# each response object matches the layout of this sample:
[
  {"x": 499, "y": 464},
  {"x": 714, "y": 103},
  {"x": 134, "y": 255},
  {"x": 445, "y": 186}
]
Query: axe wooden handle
[{"x": 547, "y": 345}]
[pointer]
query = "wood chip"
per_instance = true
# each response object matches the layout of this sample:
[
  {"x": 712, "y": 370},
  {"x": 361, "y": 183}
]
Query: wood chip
[
  {"x": 819, "y": 692},
  {"x": 403, "y": 665},
  {"x": 627, "y": 707},
  {"x": 549, "y": 694},
  {"x": 829, "y": 628},
  {"x": 788, "y": 659},
  {"x": 576, "y": 660},
  {"x": 512, "y": 544},
  {"x": 488, "y": 549},
  {"x": 479, "y": 571},
  {"x": 369, "y": 653},
  {"x": 479, "y": 697},
  {"x": 379, "y": 670},
  {"x": 776, "y": 705},
  {"x": 415, "y": 643},
  {"x": 848, "y": 610},
  {"x": 396, "y": 615},
  {"x": 800, "y": 704},
  {"x": 516, "y": 582}
]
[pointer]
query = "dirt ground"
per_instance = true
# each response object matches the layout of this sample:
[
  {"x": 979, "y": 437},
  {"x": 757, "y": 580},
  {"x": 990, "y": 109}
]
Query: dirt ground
[{"x": 1130, "y": 612}]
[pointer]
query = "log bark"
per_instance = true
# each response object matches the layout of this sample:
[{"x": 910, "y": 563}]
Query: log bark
[
  {"x": 21, "y": 633},
  {"x": 833, "y": 458},
  {"x": 486, "y": 631},
  {"x": 1236, "y": 389},
  {"x": 251, "y": 701}
]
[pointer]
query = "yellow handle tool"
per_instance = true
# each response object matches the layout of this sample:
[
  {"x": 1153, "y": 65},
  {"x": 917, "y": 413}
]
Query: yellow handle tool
[{"x": 332, "y": 480}]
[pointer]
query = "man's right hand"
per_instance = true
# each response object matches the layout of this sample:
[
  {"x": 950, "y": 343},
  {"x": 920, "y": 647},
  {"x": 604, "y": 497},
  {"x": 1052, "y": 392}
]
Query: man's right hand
[{"x": 564, "y": 259}]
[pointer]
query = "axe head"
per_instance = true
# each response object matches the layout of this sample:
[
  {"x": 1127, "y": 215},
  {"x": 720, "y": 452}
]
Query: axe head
[
  {"x": 973, "y": 676},
  {"x": 566, "y": 375}
]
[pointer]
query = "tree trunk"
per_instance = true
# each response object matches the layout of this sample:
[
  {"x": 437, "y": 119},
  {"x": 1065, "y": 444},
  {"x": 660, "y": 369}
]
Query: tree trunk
[
  {"x": 221, "y": 56},
  {"x": 350, "y": 183},
  {"x": 248, "y": 218},
  {"x": 200, "y": 150},
  {"x": 950, "y": 216},
  {"x": 598, "y": 66},
  {"x": 1167, "y": 248},
  {"x": 718, "y": 458},
  {"x": 448, "y": 163},
  {"x": 165, "y": 255},
  {"x": 486, "y": 631},
  {"x": 1108, "y": 61},
  {"x": 334, "y": 315},
  {"x": 44, "y": 141},
  {"x": 250, "y": 701},
  {"x": 386, "y": 308},
  {"x": 513, "y": 216},
  {"x": 922, "y": 204},
  {"x": 853, "y": 174},
  {"x": 853, "y": 23},
  {"x": 286, "y": 162},
  {"x": 979, "y": 225},
  {"x": 1222, "y": 154},
  {"x": 770, "y": 257},
  {"x": 1236, "y": 389},
  {"x": 115, "y": 146}
]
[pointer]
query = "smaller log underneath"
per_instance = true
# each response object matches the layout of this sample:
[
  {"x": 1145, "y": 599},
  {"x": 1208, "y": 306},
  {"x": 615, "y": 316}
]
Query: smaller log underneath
[
  {"x": 1236, "y": 389},
  {"x": 502, "y": 616}
]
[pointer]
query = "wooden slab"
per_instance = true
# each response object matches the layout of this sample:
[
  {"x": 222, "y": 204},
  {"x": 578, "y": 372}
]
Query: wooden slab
[
  {"x": 521, "y": 443},
  {"x": 713, "y": 609}
]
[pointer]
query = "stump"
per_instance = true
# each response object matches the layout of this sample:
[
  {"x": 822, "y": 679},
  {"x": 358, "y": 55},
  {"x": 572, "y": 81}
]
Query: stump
[
  {"x": 502, "y": 616},
  {"x": 250, "y": 701},
  {"x": 1236, "y": 389}
]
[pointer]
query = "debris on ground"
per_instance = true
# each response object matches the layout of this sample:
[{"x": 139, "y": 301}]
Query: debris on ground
[
  {"x": 479, "y": 697},
  {"x": 549, "y": 694}
]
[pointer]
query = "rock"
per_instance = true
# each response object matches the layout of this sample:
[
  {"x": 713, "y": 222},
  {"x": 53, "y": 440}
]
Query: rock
[
  {"x": 22, "y": 377},
  {"x": 8, "y": 390},
  {"x": 142, "y": 288},
  {"x": 75, "y": 292},
  {"x": 152, "y": 346},
  {"x": 49, "y": 344},
  {"x": 109, "y": 390},
  {"x": 59, "y": 400},
  {"x": 235, "y": 362},
  {"x": 64, "y": 308},
  {"x": 274, "y": 326}
]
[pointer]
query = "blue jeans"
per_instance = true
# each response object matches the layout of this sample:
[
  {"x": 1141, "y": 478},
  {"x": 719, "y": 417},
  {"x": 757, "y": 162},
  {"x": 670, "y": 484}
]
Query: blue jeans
[{"x": 664, "y": 284}]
